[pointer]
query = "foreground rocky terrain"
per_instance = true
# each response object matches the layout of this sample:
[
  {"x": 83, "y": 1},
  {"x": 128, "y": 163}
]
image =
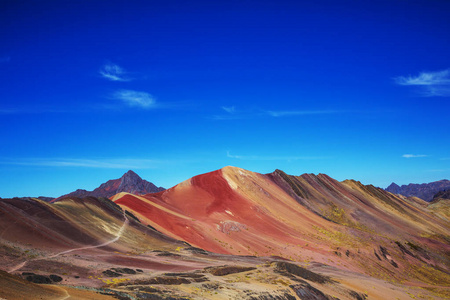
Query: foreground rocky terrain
[{"x": 228, "y": 234}]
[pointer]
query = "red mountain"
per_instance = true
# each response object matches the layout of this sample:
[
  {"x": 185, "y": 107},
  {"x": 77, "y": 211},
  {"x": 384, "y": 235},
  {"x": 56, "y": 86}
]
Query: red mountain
[
  {"x": 267, "y": 236},
  {"x": 301, "y": 218},
  {"x": 130, "y": 182}
]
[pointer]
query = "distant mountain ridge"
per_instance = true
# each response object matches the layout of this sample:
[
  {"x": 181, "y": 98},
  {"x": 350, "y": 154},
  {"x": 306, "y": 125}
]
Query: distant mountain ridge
[
  {"x": 442, "y": 195},
  {"x": 130, "y": 182},
  {"x": 425, "y": 191}
]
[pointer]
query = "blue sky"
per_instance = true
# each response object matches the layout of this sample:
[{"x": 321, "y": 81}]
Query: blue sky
[{"x": 172, "y": 89}]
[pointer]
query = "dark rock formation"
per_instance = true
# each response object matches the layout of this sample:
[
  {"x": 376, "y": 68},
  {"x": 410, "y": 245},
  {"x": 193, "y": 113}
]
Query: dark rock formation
[
  {"x": 292, "y": 269},
  {"x": 307, "y": 292},
  {"x": 268, "y": 296},
  {"x": 55, "y": 278},
  {"x": 111, "y": 273},
  {"x": 226, "y": 270},
  {"x": 425, "y": 191},
  {"x": 442, "y": 195},
  {"x": 41, "y": 279}
]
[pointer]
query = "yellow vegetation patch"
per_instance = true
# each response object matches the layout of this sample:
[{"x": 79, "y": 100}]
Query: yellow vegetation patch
[{"x": 114, "y": 280}]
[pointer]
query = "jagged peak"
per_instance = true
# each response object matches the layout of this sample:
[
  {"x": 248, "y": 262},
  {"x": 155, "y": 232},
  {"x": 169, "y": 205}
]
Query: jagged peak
[
  {"x": 131, "y": 174},
  {"x": 393, "y": 185}
]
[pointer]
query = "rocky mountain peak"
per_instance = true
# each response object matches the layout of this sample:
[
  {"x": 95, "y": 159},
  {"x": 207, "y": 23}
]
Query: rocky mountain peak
[
  {"x": 393, "y": 188},
  {"x": 131, "y": 174},
  {"x": 130, "y": 182}
]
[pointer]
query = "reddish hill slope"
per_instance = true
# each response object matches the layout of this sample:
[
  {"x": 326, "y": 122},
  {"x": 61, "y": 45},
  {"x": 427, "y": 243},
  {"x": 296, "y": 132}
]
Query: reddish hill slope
[
  {"x": 303, "y": 218},
  {"x": 130, "y": 182},
  {"x": 345, "y": 240}
]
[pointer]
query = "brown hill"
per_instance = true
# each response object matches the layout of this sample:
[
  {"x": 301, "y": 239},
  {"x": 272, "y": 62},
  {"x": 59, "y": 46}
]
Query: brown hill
[{"x": 130, "y": 182}]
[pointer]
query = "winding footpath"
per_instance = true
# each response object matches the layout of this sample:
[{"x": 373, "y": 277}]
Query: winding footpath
[{"x": 118, "y": 236}]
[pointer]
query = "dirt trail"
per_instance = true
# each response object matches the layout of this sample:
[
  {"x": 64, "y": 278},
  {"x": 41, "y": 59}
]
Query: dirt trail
[{"x": 118, "y": 236}]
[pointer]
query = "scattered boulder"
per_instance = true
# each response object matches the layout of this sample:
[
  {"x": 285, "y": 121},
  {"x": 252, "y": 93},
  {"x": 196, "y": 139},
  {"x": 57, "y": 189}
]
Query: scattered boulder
[
  {"x": 39, "y": 279},
  {"x": 196, "y": 250},
  {"x": 124, "y": 270},
  {"x": 384, "y": 252},
  {"x": 288, "y": 268},
  {"x": 157, "y": 297},
  {"x": 404, "y": 249},
  {"x": 307, "y": 292},
  {"x": 358, "y": 296},
  {"x": 168, "y": 280},
  {"x": 55, "y": 278},
  {"x": 195, "y": 277},
  {"x": 226, "y": 270},
  {"x": 167, "y": 253},
  {"x": 111, "y": 273},
  {"x": 269, "y": 296},
  {"x": 116, "y": 272},
  {"x": 376, "y": 254}
]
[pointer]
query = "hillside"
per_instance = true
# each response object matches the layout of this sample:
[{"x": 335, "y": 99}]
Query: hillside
[
  {"x": 228, "y": 234},
  {"x": 302, "y": 218}
]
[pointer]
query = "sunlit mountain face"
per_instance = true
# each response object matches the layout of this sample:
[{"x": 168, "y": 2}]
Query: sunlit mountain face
[{"x": 228, "y": 233}]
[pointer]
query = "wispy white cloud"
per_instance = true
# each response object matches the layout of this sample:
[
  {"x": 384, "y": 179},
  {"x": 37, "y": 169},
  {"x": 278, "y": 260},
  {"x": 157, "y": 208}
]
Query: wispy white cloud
[
  {"x": 268, "y": 158},
  {"x": 431, "y": 83},
  {"x": 287, "y": 113},
  {"x": 229, "y": 109},
  {"x": 235, "y": 114},
  {"x": 135, "y": 98},
  {"x": 414, "y": 155},
  {"x": 121, "y": 163},
  {"x": 114, "y": 72}
]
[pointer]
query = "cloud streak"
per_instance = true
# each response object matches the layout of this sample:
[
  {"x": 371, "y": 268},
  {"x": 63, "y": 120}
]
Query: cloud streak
[
  {"x": 414, "y": 155},
  {"x": 288, "y": 113},
  {"x": 234, "y": 114},
  {"x": 135, "y": 98},
  {"x": 270, "y": 158},
  {"x": 113, "y": 72},
  {"x": 229, "y": 109},
  {"x": 431, "y": 84},
  {"x": 122, "y": 163}
]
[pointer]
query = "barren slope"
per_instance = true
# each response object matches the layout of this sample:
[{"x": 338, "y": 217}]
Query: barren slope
[{"x": 302, "y": 218}]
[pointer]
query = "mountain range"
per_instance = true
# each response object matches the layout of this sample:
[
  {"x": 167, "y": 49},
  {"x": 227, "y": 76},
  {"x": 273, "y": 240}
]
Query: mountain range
[
  {"x": 130, "y": 182},
  {"x": 425, "y": 191},
  {"x": 229, "y": 234}
]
